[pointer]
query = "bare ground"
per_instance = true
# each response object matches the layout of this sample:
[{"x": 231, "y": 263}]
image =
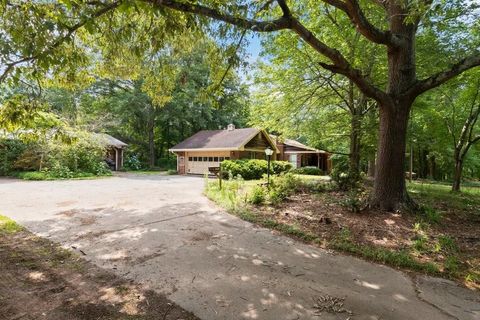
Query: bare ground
[{"x": 41, "y": 280}]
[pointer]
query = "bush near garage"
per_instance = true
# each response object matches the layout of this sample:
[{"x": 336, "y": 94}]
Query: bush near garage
[{"x": 253, "y": 169}]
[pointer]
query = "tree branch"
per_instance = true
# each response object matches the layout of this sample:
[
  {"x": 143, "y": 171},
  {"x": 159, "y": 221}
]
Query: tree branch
[
  {"x": 357, "y": 17},
  {"x": 440, "y": 78},
  {"x": 340, "y": 64},
  {"x": 254, "y": 25},
  {"x": 285, "y": 9},
  {"x": 70, "y": 31}
]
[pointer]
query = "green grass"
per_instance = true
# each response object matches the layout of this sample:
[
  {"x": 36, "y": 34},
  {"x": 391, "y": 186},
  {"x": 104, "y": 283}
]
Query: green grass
[
  {"x": 399, "y": 259},
  {"x": 45, "y": 176},
  {"x": 9, "y": 226},
  {"x": 432, "y": 194}
]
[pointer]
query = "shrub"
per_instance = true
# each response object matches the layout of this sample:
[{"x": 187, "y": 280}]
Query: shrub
[
  {"x": 254, "y": 168},
  {"x": 280, "y": 166},
  {"x": 430, "y": 215},
  {"x": 132, "y": 162},
  {"x": 313, "y": 171},
  {"x": 282, "y": 186},
  {"x": 354, "y": 201},
  {"x": 10, "y": 150},
  {"x": 167, "y": 163},
  {"x": 171, "y": 172},
  {"x": 344, "y": 180},
  {"x": 257, "y": 195}
]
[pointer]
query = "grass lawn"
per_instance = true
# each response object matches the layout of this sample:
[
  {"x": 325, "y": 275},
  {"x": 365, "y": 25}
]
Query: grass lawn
[
  {"x": 41, "y": 280},
  {"x": 442, "y": 240},
  {"x": 41, "y": 176}
]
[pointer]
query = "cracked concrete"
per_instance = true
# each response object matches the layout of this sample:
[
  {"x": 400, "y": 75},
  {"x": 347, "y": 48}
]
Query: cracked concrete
[{"x": 160, "y": 231}]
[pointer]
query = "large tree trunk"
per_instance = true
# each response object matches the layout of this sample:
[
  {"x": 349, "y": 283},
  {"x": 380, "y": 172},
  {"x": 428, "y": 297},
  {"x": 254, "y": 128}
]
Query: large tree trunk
[
  {"x": 390, "y": 192},
  {"x": 389, "y": 189}
]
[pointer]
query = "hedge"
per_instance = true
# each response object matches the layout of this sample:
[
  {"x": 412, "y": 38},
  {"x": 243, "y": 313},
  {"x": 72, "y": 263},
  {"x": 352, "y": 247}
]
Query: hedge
[
  {"x": 313, "y": 171},
  {"x": 253, "y": 169}
]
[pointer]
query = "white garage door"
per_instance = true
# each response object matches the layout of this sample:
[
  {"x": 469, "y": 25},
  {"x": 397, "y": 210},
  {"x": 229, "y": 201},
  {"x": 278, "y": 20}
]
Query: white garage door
[{"x": 199, "y": 165}]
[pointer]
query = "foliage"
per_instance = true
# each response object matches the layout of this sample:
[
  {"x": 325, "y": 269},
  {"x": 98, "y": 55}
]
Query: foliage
[
  {"x": 400, "y": 259},
  {"x": 131, "y": 162},
  {"x": 253, "y": 168},
  {"x": 282, "y": 186},
  {"x": 257, "y": 195},
  {"x": 430, "y": 215},
  {"x": 10, "y": 151},
  {"x": 8, "y": 225},
  {"x": 356, "y": 200},
  {"x": 314, "y": 171}
]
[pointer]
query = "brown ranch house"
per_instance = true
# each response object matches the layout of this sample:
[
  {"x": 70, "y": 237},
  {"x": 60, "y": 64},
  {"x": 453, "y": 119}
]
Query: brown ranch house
[{"x": 208, "y": 148}]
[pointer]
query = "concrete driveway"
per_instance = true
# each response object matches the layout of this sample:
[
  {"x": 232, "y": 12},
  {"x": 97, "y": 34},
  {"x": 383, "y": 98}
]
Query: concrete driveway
[{"x": 160, "y": 231}]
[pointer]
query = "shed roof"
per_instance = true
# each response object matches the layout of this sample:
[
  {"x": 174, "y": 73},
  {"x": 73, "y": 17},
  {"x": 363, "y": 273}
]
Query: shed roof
[
  {"x": 234, "y": 139},
  {"x": 111, "y": 141}
]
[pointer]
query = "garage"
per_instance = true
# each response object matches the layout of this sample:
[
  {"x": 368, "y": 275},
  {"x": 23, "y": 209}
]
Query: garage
[
  {"x": 198, "y": 163},
  {"x": 208, "y": 148}
]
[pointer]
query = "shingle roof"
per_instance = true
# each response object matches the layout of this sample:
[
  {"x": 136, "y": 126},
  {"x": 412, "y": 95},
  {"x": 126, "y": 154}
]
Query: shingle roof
[
  {"x": 111, "y": 141},
  {"x": 295, "y": 143},
  {"x": 217, "y": 139}
]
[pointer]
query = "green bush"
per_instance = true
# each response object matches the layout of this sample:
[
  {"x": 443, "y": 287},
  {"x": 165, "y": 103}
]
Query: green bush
[
  {"x": 172, "y": 172},
  {"x": 132, "y": 162},
  {"x": 282, "y": 186},
  {"x": 10, "y": 151},
  {"x": 280, "y": 166},
  {"x": 254, "y": 168},
  {"x": 167, "y": 163},
  {"x": 257, "y": 195},
  {"x": 313, "y": 171}
]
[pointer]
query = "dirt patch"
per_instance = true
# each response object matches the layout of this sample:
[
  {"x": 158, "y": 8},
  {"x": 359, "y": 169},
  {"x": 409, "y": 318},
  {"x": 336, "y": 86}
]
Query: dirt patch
[{"x": 40, "y": 280}]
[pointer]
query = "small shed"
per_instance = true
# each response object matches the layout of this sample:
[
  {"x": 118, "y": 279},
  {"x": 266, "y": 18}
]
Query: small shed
[{"x": 115, "y": 151}]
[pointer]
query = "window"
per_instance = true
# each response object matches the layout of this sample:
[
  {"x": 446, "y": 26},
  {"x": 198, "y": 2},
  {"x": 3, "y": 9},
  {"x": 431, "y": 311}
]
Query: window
[
  {"x": 293, "y": 160},
  {"x": 215, "y": 159},
  {"x": 205, "y": 159},
  {"x": 220, "y": 159},
  {"x": 210, "y": 159},
  {"x": 227, "y": 158},
  {"x": 190, "y": 159},
  {"x": 199, "y": 159},
  {"x": 194, "y": 158}
]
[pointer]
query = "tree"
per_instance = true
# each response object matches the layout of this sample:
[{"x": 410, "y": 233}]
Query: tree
[
  {"x": 401, "y": 21},
  {"x": 465, "y": 103},
  {"x": 293, "y": 77},
  {"x": 398, "y": 34}
]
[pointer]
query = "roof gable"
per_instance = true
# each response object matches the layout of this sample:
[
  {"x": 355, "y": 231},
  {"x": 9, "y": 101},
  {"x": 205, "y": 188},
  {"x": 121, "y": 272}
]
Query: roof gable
[{"x": 217, "y": 139}]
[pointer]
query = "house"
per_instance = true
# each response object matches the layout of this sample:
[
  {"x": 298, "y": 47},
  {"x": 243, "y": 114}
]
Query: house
[
  {"x": 208, "y": 148},
  {"x": 300, "y": 155},
  {"x": 115, "y": 150}
]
